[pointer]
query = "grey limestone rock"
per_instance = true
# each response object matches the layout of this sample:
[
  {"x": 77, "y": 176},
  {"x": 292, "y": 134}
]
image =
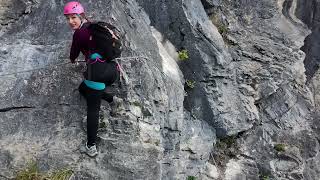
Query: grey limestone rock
[{"x": 237, "y": 108}]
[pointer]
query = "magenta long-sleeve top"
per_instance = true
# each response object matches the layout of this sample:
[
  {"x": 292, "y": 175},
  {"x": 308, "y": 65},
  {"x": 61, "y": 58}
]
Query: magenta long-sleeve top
[{"x": 81, "y": 42}]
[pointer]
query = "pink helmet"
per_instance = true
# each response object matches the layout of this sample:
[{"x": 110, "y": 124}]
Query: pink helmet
[{"x": 73, "y": 7}]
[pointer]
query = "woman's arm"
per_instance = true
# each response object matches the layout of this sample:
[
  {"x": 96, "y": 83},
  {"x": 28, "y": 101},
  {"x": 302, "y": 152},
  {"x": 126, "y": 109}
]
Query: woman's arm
[{"x": 75, "y": 47}]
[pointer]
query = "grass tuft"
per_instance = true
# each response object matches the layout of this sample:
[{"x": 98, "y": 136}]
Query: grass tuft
[{"x": 31, "y": 172}]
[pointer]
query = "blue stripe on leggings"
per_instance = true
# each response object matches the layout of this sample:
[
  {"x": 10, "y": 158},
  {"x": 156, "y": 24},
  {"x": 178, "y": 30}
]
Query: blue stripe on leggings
[{"x": 95, "y": 85}]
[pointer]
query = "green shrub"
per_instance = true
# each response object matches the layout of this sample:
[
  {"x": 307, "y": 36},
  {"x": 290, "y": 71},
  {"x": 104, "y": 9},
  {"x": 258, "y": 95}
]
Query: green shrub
[
  {"x": 190, "y": 83},
  {"x": 183, "y": 55},
  {"x": 222, "y": 28},
  {"x": 102, "y": 125},
  {"x": 264, "y": 177},
  {"x": 138, "y": 104},
  {"x": 30, "y": 173},
  {"x": 191, "y": 178},
  {"x": 63, "y": 174},
  {"x": 280, "y": 147},
  {"x": 227, "y": 142}
]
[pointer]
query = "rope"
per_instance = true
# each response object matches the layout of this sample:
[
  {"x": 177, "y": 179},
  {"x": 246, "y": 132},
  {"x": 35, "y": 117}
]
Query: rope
[
  {"x": 50, "y": 66},
  {"x": 125, "y": 76},
  {"x": 35, "y": 69}
]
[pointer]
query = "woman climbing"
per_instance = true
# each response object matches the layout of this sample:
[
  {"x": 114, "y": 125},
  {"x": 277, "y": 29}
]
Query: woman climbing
[{"x": 100, "y": 72}]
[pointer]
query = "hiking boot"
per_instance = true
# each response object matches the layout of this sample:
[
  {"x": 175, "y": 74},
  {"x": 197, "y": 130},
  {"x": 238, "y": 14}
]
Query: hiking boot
[
  {"x": 90, "y": 151},
  {"x": 116, "y": 105}
]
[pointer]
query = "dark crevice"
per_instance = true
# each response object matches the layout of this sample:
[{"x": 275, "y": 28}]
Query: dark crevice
[
  {"x": 209, "y": 4},
  {"x": 66, "y": 104},
  {"x": 308, "y": 13},
  {"x": 170, "y": 129},
  {"x": 182, "y": 35},
  {"x": 286, "y": 8},
  {"x": 247, "y": 156},
  {"x": 166, "y": 163},
  {"x": 15, "y": 108},
  {"x": 189, "y": 151},
  {"x": 312, "y": 59}
]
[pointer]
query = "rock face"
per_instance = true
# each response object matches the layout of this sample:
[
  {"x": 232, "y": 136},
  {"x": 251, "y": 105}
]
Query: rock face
[{"x": 237, "y": 108}]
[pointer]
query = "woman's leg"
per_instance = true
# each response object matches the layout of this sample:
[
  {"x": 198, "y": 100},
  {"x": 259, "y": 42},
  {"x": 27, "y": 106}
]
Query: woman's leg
[
  {"x": 93, "y": 98},
  {"x": 111, "y": 75},
  {"x": 82, "y": 89},
  {"x": 93, "y": 108},
  {"x": 107, "y": 97}
]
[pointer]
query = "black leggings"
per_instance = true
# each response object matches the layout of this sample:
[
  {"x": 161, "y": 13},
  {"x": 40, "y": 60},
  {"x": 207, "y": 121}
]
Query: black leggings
[
  {"x": 93, "y": 98},
  {"x": 107, "y": 73}
]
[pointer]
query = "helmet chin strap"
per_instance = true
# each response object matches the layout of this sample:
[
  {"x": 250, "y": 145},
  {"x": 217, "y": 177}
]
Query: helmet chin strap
[
  {"x": 81, "y": 19},
  {"x": 81, "y": 24}
]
